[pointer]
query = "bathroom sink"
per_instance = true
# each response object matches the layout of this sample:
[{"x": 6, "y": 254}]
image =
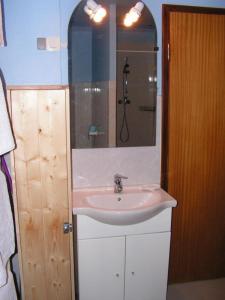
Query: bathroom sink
[
  {"x": 124, "y": 201},
  {"x": 132, "y": 206}
]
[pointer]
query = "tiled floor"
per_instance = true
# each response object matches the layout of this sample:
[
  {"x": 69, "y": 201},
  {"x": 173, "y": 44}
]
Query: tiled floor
[{"x": 198, "y": 290}]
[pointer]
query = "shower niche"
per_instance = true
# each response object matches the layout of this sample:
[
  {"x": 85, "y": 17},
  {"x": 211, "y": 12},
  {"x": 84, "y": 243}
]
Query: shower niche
[{"x": 113, "y": 78}]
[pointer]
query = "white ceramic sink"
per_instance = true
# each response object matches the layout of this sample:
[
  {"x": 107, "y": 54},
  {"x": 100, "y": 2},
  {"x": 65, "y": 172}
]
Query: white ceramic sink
[{"x": 133, "y": 205}]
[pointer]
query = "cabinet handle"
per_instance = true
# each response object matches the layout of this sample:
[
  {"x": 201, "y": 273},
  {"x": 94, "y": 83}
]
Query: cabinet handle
[
  {"x": 67, "y": 228},
  {"x": 117, "y": 275},
  {"x": 133, "y": 273}
]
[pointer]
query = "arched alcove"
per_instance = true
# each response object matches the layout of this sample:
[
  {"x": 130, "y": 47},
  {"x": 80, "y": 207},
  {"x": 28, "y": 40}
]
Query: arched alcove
[{"x": 111, "y": 104}]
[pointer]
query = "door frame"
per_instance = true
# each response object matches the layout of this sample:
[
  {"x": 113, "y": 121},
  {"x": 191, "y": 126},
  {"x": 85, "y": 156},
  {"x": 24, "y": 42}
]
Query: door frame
[{"x": 166, "y": 10}]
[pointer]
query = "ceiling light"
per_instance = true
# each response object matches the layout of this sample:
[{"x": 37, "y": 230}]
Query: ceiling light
[
  {"x": 134, "y": 14},
  {"x": 95, "y": 11}
]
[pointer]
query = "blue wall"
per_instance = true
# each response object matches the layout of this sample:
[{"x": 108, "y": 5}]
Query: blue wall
[
  {"x": 20, "y": 61},
  {"x": 25, "y": 20}
]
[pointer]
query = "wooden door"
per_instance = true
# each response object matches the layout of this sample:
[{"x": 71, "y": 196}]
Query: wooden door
[
  {"x": 41, "y": 175},
  {"x": 101, "y": 265},
  {"x": 194, "y": 139},
  {"x": 147, "y": 258}
]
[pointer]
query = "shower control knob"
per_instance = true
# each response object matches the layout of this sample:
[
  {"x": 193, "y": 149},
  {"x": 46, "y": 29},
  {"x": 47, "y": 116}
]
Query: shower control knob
[{"x": 120, "y": 101}]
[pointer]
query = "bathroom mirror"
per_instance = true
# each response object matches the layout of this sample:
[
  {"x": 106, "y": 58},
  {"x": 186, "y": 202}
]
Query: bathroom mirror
[{"x": 112, "y": 76}]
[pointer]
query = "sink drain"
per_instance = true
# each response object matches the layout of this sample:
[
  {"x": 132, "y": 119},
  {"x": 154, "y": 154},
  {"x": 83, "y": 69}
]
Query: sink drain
[{"x": 119, "y": 199}]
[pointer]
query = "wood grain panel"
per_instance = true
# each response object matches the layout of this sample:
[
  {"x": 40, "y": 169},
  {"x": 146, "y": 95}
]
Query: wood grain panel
[
  {"x": 36, "y": 87},
  {"x": 41, "y": 182},
  {"x": 70, "y": 178},
  {"x": 194, "y": 170}
]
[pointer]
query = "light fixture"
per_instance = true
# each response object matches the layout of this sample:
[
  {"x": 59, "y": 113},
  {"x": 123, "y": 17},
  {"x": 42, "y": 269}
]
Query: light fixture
[
  {"x": 95, "y": 11},
  {"x": 134, "y": 14}
]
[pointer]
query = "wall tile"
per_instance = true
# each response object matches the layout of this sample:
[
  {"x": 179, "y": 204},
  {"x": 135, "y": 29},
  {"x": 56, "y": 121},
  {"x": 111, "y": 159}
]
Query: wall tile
[{"x": 96, "y": 167}]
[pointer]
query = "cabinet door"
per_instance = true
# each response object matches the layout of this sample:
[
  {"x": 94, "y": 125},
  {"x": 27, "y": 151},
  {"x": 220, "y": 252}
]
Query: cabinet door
[
  {"x": 147, "y": 259},
  {"x": 101, "y": 268},
  {"x": 41, "y": 193}
]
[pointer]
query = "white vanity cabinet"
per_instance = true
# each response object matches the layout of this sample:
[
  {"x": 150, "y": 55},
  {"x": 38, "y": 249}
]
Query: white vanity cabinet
[
  {"x": 123, "y": 262},
  {"x": 146, "y": 263},
  {"x": 101, "y": 268}
]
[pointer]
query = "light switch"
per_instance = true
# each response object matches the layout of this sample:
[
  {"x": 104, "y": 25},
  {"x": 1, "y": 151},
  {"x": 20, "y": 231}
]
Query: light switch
[
  {"x": 48, "y": 43},
  {"x": 41, "y": 43}
]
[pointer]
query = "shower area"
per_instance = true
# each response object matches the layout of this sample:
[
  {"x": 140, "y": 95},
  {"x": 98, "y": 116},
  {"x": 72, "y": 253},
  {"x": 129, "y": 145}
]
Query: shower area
[{"x": 113, "y": 79}]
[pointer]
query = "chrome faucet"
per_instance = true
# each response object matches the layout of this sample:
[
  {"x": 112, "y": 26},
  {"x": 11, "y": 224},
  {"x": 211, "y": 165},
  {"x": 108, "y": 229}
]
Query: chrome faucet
[{"x": 118, "y": 187}]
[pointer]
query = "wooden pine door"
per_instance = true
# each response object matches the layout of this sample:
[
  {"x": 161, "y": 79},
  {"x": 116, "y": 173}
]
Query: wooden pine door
[
  {"x": 42, "y": 192},
  {"x": 193, "y": 169}
]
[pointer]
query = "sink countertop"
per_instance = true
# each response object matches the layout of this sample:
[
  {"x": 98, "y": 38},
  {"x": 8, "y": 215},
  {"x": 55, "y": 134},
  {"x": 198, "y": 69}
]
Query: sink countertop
[
  {"x": 80, "y": 194},
  {"x": 135, "y": 204}
]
